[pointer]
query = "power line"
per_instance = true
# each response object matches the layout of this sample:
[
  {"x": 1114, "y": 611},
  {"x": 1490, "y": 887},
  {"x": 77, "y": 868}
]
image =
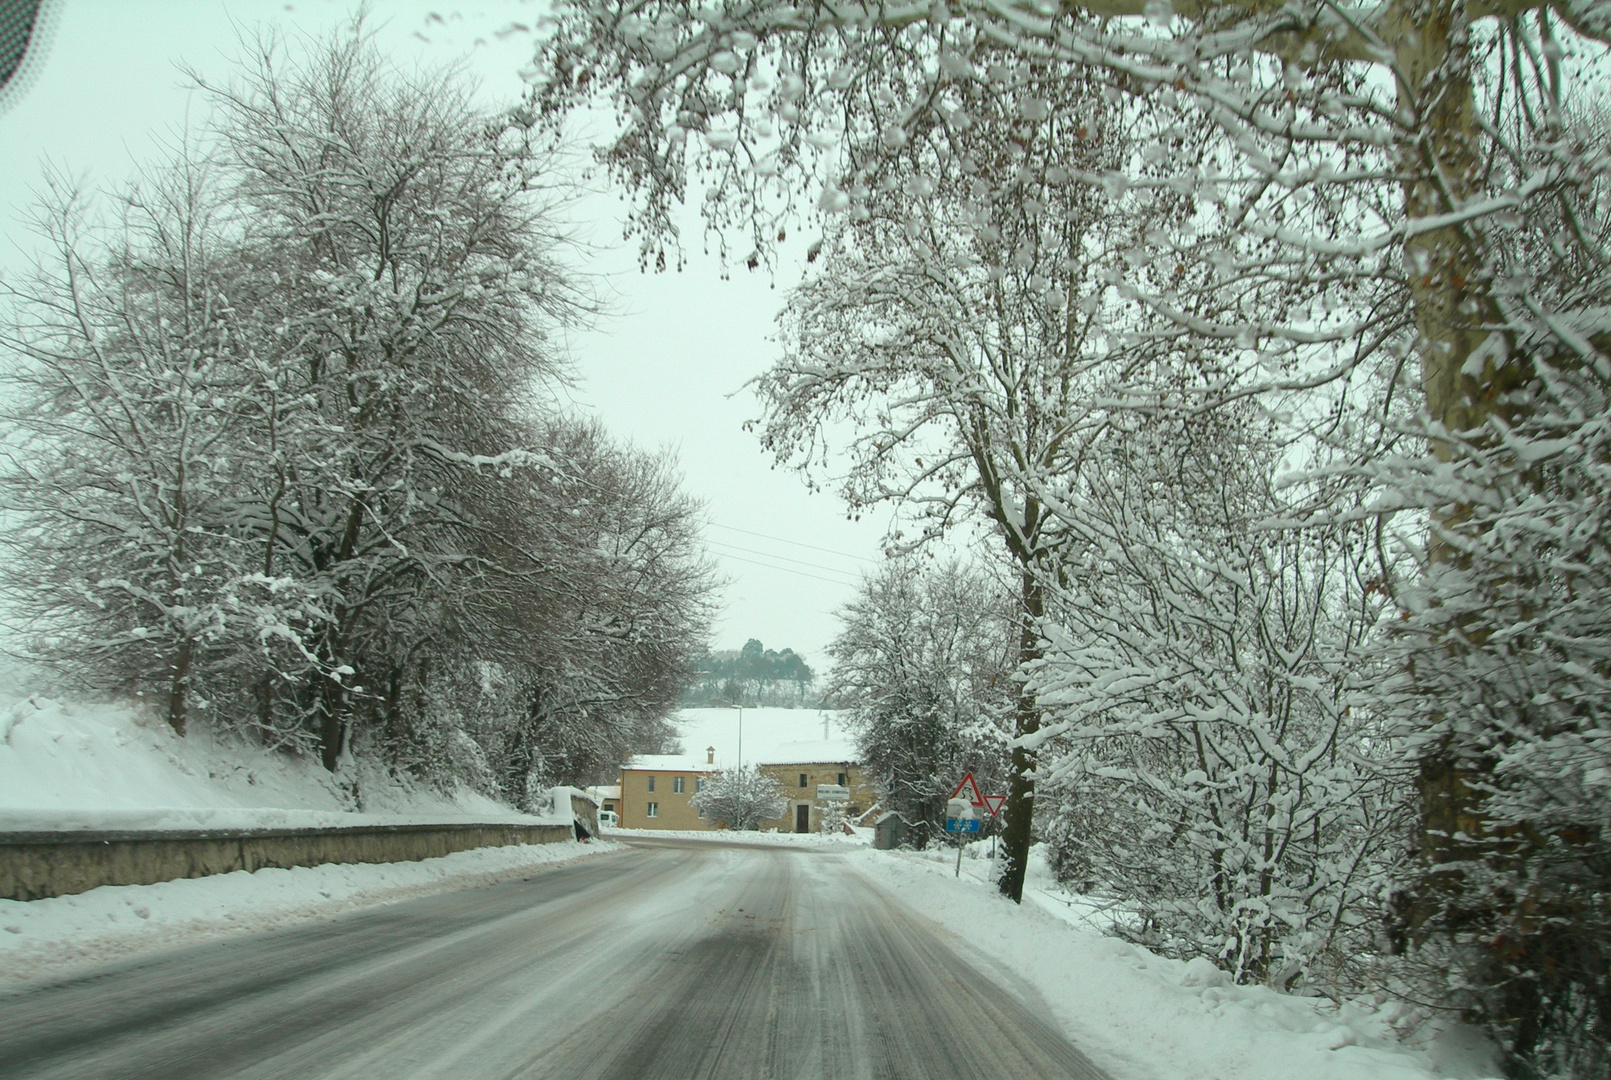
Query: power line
[
  {"x": 796, "y": 543},
  {"x": 781, "y": 558},
  {"x": 788, "y": 570}
]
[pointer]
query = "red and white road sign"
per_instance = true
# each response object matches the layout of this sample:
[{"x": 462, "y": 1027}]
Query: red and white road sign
[
  {"x": 968, "y": 789},
  {"x": 994, "y": 803}
]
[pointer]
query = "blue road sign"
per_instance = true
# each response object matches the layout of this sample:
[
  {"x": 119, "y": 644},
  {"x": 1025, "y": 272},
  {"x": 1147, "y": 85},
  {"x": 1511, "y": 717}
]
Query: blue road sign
[{"x": 962, "y": 825}]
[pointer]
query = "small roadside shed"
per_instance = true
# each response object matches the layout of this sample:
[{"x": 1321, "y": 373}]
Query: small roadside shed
[{"x": 889, "y": 831}]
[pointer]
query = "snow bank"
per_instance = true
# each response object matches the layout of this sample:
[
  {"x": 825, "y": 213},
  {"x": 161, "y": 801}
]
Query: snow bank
[
  {"x": 554, "y": 805},
  {"x": 48, "y": 937},
  {"x": 75, "y": 766},
  {"x": 1144, "y": 1017}
]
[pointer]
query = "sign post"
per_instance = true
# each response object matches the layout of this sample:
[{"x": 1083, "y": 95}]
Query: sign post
[
  {"x": 967, "y": 789},
  {"x": 962, "y": 819},
  {"x": 962, "y": 813},
  {"x": 993, "y": 804}
]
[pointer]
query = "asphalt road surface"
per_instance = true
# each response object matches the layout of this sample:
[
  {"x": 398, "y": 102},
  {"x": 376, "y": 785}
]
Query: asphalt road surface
[{"x": 665, "y": 962}]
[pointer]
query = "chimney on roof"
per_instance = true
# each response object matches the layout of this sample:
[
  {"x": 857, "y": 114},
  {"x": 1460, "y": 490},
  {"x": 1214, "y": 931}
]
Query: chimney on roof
[{"x": 710, "y": 755}]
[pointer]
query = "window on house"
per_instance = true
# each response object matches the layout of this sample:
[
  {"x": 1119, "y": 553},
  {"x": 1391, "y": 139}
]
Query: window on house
[
  {"x": 676, "y": 785},
  {"x": 802, "y": 779},
  {"x": 841, "y": 779},
  {"x": 699, "y": 785},
  {"x": 651, "y": 783},
  {"x": 653, "y": 810},
  {"x": 702, "y": 814}
]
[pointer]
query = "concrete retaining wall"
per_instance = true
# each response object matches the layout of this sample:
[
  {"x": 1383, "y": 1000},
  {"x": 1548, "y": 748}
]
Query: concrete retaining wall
[
  {"x": 585, "y": 812},
  {"x": 38, "y": 865}
]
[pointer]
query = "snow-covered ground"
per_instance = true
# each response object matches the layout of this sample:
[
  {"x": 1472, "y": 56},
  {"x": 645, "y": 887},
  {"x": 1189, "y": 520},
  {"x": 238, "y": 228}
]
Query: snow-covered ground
[
  {"x": 49, "y": 937},
  {"x": 71, "y": 766},
  {"x": 719, "y": 836},
  {"x": 102, "y": 766},
  {"x": 1145, "y": 1017}
]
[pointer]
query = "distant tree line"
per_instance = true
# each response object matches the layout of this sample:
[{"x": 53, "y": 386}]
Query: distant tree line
[
  {"x": 753, "y": 675},
  {"x": 282, "y": 453}
]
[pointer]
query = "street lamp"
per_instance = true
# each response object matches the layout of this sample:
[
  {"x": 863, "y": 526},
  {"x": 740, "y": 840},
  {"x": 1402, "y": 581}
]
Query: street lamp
[{"x": 740, "y": 709}]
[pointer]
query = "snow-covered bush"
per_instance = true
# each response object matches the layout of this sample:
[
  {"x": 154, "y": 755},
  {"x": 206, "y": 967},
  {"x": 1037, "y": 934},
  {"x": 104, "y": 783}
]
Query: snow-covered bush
[
  {"x": 741, "y": 798},
  {"x": 1205, "y": 757}
]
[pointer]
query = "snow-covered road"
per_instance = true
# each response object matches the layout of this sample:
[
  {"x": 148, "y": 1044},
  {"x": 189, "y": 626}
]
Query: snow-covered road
[{"x": 670, "y": 960}]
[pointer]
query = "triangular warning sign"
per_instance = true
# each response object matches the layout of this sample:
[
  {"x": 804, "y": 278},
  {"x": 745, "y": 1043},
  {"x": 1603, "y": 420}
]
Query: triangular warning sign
[
  {"x": 994, "y": 803},
  {"x": 968, "y": 789}
]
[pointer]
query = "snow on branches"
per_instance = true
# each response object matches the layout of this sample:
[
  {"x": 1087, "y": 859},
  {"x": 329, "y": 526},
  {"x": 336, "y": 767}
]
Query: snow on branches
[
  {"x": 1381, "y": 228},
  {"x": 741, "y": 798},
  {"x": 281, "y": 450}
]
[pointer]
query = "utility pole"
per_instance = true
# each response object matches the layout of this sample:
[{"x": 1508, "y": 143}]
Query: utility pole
[{"x": 734, "y": 705}]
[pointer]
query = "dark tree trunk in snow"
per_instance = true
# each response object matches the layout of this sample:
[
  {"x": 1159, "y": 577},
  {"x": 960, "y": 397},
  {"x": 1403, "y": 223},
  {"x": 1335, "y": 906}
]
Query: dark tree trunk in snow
[
  {"x": 1453, "y": 314},
  {"x": 332, "y": 723},
  {"x": 177, "y": 689},
  {"x": 1020, "y": 807}
]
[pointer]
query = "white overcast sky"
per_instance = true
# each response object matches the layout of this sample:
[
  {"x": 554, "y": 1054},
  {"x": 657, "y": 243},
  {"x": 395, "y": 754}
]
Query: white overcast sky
[{"x": 666, "y": 371}]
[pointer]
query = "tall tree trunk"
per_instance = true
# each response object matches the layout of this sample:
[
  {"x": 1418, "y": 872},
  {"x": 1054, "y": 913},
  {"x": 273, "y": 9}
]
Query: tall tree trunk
[
  {"x": 332, "y": 723},
  {"x": 1456, "y": 316},
  {"x": 1454, "y": 313},
  {"x": 330, "y": 697},
  {"x": 1020, "y": 807},
  {"x": 179, "y": 686}
]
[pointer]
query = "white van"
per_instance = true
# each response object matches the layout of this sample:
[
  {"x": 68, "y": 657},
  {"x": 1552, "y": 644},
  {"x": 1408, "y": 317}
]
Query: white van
[{"x": 608, "y": 820}]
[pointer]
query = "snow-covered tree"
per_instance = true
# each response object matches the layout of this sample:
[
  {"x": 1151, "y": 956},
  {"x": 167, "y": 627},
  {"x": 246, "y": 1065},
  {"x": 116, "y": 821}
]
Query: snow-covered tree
[
  {"x": 618, "y": 605},
  {"x": 944, "y": 349},
  {"x": 741, "y": 798},
  {"x": 1367, "y": 179},
  {"x": 415, "y": 248},
  {"x": 283, "y": 447},
  {"x": 923, "y": 668},
  {"x": 1500, "y": 651},
  {"x": 138, "y": 378}
]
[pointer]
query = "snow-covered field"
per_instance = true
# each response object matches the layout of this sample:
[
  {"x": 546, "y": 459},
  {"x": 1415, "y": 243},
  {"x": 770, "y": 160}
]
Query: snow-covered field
[
  {"x": 48, "y": 937},
  {"x": 770, "y": 735},
  {"x": 1146, "y": 1017},
  {"x": 101, "y": 766}
]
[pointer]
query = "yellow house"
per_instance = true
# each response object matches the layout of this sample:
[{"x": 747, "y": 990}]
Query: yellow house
[{"x": 656, "y": 789}]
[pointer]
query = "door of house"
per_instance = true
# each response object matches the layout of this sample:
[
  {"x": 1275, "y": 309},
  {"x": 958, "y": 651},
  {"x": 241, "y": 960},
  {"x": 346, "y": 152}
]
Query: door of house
[{"x": 802, "y": 818}]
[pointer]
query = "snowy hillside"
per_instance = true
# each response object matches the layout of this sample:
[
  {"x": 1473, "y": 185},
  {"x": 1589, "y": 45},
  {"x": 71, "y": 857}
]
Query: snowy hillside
[
  {"x": 96, "y": 766},
  {"x": 769, "y": 736}
]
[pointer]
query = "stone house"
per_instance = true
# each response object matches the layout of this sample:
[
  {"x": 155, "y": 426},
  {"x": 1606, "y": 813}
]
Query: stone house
[{"x": 813, "y": 787}]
